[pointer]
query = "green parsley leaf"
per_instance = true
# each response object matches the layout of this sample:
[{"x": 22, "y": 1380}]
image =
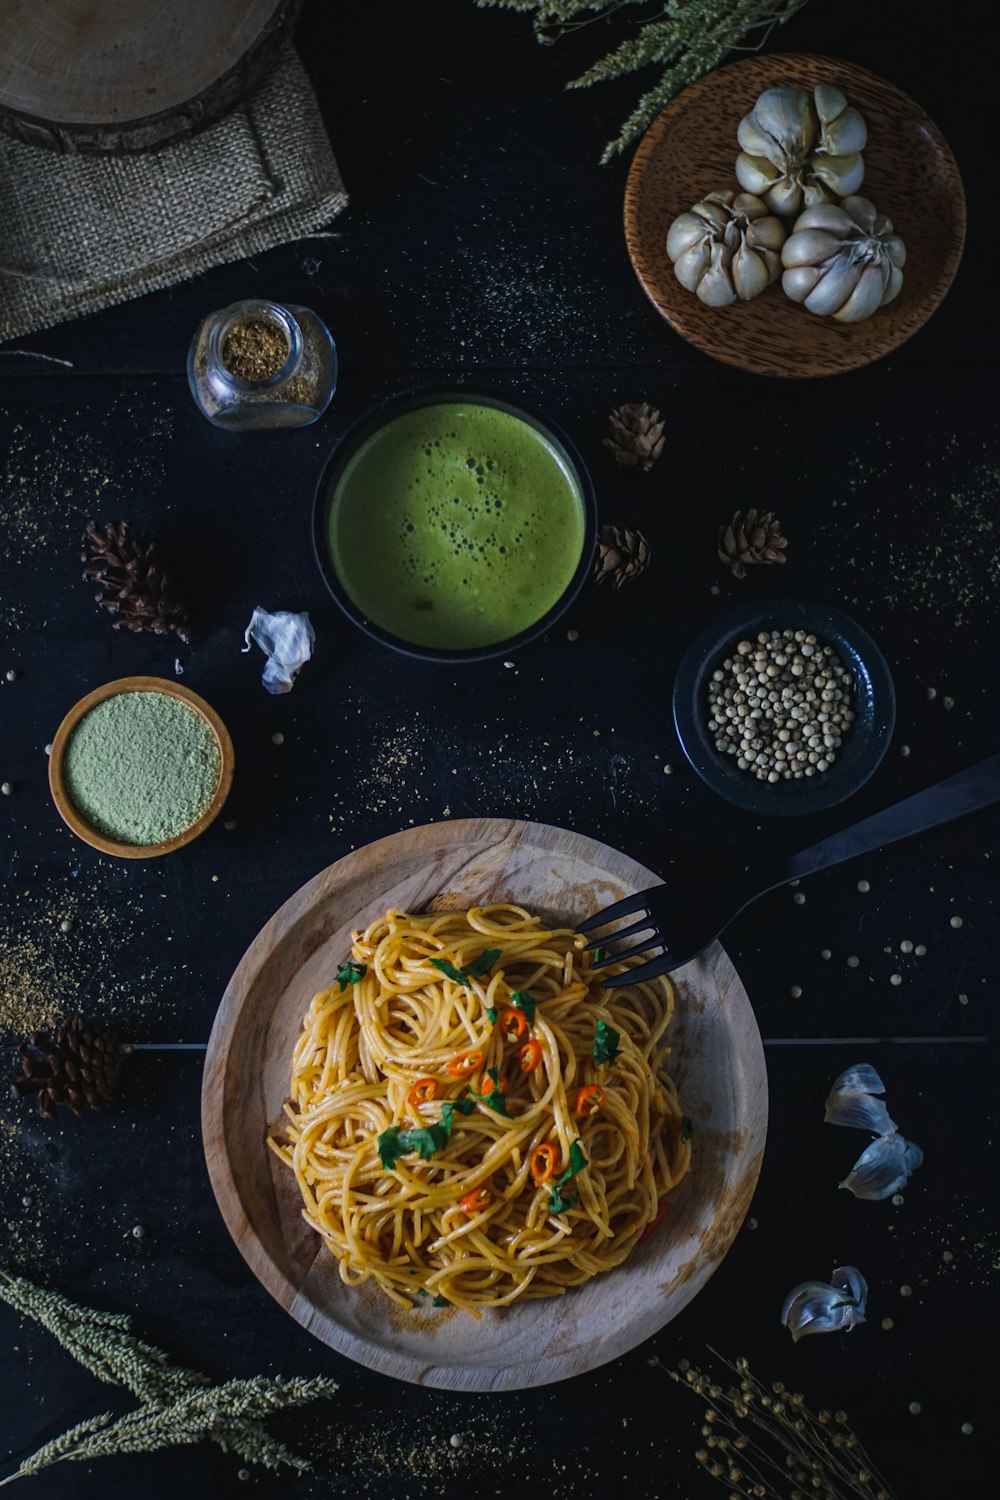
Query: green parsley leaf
[
  {"x": 687, "y": 1128},
  {"x": 389, "y": 1148},
  {"x": 558, "y": 1204},
  {"x": 464, "y": 1107},
  {"x": 577, "y": 1162},
  {"x": 394, "y": 1143},
  {"x": 606, "y": 1043},
  {"x": 494, "y": 1073},
  {"x": 598, "y": 954},
  {"x": 350, "y": 973},
  {"x": 523, "y": 1001},
  {"x": 495, "y": 1099},
  {"x": 440, "y": 1302},
  {"x": 475, "y": 970},
  {"x": 448, "y": 969},
  {"x": 491, "y": 1012}
]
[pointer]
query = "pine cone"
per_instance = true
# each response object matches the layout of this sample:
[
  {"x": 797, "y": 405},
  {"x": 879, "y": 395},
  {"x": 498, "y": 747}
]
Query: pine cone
[
  {"x": 636, "y": 436},
  {"x": 621, "y": 555},
  {"x": 750, "y": 538},
  {"x": 132, "y": 583},
  {"x": 79, "y": 1065}
]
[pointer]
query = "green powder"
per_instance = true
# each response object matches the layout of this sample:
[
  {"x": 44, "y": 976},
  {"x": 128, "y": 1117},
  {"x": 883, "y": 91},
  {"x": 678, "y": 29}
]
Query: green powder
[{"x": 141, "y": 767}]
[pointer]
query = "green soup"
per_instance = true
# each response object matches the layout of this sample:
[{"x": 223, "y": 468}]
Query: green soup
[{"x": 456, "y": 525}]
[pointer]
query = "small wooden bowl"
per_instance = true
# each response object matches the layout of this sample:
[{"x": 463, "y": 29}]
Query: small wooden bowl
[
  {"x": 910, "y": 174},
  {"x": 60, "y": 793}
]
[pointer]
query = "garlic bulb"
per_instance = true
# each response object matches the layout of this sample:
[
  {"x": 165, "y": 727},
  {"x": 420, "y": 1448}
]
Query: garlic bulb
[
  {"x": 798, "y": 148},
  {"x": 726, "y": 247},
  {"x": 843, "y": 260}
]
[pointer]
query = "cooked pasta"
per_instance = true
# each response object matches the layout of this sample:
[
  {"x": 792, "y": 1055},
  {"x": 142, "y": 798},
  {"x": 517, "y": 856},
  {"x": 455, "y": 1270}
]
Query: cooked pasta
[{"x": 474, "y": 1118}]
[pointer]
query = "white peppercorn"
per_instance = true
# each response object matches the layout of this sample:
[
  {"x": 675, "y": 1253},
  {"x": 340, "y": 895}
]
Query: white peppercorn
[{"x": 781, "y": 706}]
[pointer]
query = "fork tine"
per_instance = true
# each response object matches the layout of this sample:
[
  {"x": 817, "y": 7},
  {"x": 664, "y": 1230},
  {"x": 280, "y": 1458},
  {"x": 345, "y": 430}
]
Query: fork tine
[
  {"x": 652, "y": 969},
  {"x": 623, "y": 908},
  {"x": 616, "y": 958},
  {"x": 645, "y": 924}
]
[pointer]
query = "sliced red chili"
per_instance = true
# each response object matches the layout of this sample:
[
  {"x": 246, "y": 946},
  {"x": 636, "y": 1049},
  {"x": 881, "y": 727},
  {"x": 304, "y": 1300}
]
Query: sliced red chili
[
  {"x": 466, "y": 1063},
  {"x": 513, "y": 1024},
  {"x": 654, "y": 1222},
  {"x": 422, "y": 1092},
  {"x": 589, "y": 1100},
  {"x": 476, "y": 1201},
  {"x": 530, "y": 1055},
  {"x": 543, "y": 1163}
]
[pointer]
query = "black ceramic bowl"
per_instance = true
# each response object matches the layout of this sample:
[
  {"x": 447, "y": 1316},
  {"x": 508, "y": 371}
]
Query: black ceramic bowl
[
  {"x": 864, "y": 746},
  {"x": 387, "y": 412}
]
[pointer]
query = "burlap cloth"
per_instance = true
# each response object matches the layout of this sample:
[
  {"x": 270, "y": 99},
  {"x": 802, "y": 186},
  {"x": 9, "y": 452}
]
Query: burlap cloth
[{"x": 78, "y": 233}]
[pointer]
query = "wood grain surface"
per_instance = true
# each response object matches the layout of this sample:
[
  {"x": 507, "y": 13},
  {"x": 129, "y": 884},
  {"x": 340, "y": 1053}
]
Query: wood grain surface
[
  {"x": 60, "y": 792},
  {"x": 910, "y": 175},
  {"x": 718, "y": 1063},
  {"x": 127, "y": 75}
]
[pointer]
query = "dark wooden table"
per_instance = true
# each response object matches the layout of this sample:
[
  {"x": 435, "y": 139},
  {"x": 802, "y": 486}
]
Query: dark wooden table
[{"x": 483, "y": 244}]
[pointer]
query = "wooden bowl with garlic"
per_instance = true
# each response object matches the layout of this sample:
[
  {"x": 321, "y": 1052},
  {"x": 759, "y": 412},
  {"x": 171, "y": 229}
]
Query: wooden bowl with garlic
[{"x": 794, "y": 215}]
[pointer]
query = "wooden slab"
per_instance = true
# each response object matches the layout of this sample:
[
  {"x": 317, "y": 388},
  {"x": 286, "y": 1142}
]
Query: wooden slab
[
  {"x": 718, "y": 1063},
  {"x": 910, "y": 174},
  {"x": 127, "y": 75}
]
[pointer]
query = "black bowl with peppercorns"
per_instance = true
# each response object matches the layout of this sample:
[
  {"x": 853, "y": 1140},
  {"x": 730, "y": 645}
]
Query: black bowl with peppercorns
[{"x": 784, "y": 707}]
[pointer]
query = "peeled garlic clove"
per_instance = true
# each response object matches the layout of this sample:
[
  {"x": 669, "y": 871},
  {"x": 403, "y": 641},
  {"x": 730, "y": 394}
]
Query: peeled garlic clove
[
  {"x": 690, "y": 267},
  {"x": 809, "y": 247},
  {"x": 755, "y": 173},
  {"x": 866, "y": 297},
  {"x": 716, "y": 286},
  {"x": 835, "y": 286},
  {"x": 862, "y": 1077},
  {"x": 883, "y": 1168},
  {"x": 798, "y": 281},
  {"x": 788, "y": 117},
  {"x": 858, "y": 1110},
  {"x": 842, "y": 175},
  {"x": 750, "y": 274},
  {"x": 684, "y": 233}
]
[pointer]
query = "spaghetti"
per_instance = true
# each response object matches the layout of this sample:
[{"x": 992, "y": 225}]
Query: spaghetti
[{"x": 474, "y": 1118}]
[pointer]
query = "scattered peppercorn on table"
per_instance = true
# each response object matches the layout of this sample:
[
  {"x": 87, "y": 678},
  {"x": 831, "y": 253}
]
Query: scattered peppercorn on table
[{"x": 483, "y": 248}]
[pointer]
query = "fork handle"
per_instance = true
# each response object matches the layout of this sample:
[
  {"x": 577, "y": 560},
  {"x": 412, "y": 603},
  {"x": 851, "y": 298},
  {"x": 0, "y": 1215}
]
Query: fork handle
[{"x": 979, "y": 786}]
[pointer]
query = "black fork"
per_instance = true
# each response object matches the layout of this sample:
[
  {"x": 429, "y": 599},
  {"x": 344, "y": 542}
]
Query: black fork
[{"x": 682, "y": 920}]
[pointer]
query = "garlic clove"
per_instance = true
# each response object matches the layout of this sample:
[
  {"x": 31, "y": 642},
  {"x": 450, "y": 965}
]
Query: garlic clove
[
  {"x": 849, "y": 1279},
  {"x": 843, "y": 175},
  {"x": 685, "y": 232},
  {"x": 750, "y": 274},
  {"x": 766, "y": 234},
  {"x": 856, "y": 1109},
  {"x": 755, "y": 173},
  {"x": 715, "y": 288},
  {"x": 714, "y": 209},
  {"x": 809, "y": 247},
  {"x": 787, "y": 115},
  {"x": 784, "y": 197},
  {"x": 835, "y": 286},
  {"x": 895, "y": 285},
  {"x": 829, "y": 102},
  {"x": 883, "y": 1168},
  {"x": 866, "y": 297},
  {"x": 844, "y": 134},
  {"x": 814, "y": 191},
  {"x": 861, "y": 212},
  {"x": 828, "y": 216},
  {"x": 862, "y": 1077},
  {"x": 690, "y": 267},
  {"x": 817, "y": 1307},
  {"x": 798, "y": 281},
  {"x": 895, "y": 249},
  {"x": 752, "y": 139}
]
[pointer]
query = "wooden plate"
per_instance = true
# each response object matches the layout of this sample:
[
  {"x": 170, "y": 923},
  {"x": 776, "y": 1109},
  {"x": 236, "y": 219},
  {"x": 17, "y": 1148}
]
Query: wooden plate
[
  {"x": 910, "y": 174},
  {"x": 718, "y": 1064}
]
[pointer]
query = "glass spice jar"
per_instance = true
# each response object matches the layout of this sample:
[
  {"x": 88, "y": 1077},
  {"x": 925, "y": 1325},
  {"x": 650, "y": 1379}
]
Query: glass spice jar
[{"x": 260, "y": 364}]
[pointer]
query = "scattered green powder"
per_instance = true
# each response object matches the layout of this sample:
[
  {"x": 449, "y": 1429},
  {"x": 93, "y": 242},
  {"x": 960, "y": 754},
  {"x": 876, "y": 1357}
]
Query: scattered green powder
[{"x": 141, "y": 767}]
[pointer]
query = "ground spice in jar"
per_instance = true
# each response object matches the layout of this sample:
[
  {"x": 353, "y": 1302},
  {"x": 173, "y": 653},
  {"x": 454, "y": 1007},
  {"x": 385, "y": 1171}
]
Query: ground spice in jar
[
  {"x": 254, "y": 350},
  {"x": 781, "y": 705},
  {"x": 141, "y": 767}
]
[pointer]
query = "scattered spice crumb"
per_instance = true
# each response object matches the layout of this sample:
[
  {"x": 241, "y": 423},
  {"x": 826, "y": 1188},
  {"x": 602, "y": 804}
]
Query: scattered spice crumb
[
  {"x": 895, "y": 978},
  {"x": 904, "y": 750},
  {"x": 796, "y": 992},
  {"x": 825, "y": 953},
  {"x": 864, "y": 887},
  {"x": 799, "y": 898},
  {"x": 906, "y": 1291},
  {"x": 906, "y": 946},
  {"x": 277, "y": 738},
  {"x": 957, "y": 921},
  {"x": 915, "y": 1408},
  {"x": 853, "y": 961},
  {"x": 930, "y": 693}
]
